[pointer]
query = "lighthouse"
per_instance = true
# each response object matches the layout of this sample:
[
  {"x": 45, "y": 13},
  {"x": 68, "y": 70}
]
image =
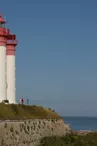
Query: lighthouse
[
  {"x": 8, "y": 45},
  {"x": 3, "y": 41},
  {"x": 11, "y": 67}
]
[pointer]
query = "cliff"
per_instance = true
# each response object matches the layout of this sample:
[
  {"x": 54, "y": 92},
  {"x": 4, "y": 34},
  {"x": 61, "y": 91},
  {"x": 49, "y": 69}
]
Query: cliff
[{"x": 19, "y": 126}]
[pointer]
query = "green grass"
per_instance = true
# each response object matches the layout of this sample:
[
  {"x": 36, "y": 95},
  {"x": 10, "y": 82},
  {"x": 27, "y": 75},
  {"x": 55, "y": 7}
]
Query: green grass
[
  {"x": 18, "y": 112},
  {"x": 71, "y": 140}
]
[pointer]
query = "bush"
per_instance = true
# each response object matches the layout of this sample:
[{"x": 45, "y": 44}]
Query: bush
[
  {"x": 71, "y": 140},
  {"x": 11, "y": 129}
]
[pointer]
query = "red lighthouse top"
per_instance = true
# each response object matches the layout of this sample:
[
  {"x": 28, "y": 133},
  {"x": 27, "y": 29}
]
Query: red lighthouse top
[
  {"x": 7, "y": 39},
  {"x": 2, "y": 20},
  {"x": 3, "y": 32}
]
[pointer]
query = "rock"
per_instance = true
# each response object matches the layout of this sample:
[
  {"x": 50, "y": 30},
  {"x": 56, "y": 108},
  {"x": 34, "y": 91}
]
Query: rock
[
  {"x": 30, "y": 132},
  {"x": 67, "y": 128}
]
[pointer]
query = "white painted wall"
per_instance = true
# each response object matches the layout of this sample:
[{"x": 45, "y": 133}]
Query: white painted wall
[
  {"x": 11, "y": 78},
  {"x": 2, "y": 73}
]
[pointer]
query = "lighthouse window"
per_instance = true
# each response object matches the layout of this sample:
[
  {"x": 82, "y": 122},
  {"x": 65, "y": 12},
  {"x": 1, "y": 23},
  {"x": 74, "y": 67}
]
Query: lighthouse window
[{"x": 2, "y": 25}]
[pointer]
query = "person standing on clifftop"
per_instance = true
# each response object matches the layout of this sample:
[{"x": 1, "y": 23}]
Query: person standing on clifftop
[{"x": 20, "y": 100}]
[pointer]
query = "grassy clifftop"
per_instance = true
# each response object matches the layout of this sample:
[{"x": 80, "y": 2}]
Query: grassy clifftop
[{"x": 18, "y": 112}]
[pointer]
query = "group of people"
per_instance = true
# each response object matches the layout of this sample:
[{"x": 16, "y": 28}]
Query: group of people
[{"x": 22, "y": 101}]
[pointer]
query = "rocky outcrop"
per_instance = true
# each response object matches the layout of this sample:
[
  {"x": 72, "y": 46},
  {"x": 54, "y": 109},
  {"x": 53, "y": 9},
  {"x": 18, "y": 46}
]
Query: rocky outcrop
[
  {"x": 29, "y": 132},
  {"x": 67, "y": 128}
]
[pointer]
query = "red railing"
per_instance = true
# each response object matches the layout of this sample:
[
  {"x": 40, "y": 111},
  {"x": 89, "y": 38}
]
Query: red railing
[{"x": 15, "y": 42}]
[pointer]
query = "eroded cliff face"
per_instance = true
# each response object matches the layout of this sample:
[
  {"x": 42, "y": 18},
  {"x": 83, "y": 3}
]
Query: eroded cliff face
[{"x": 29, "y": 132}]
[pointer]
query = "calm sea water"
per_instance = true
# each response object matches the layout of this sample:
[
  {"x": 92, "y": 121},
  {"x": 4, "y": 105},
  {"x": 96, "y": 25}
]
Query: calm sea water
[{"x": 82, "y": 123}]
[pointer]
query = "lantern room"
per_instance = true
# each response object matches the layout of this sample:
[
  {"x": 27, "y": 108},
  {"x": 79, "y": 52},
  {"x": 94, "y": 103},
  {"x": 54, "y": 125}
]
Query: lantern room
[{"x": 2, "y": 22}]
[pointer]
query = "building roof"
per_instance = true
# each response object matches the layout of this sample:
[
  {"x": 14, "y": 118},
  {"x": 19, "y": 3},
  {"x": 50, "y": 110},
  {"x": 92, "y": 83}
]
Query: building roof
[{"x": 2, "y": 19}]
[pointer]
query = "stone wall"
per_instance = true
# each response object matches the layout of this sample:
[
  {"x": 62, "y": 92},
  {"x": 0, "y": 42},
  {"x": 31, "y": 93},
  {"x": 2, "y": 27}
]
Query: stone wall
[{"x": 29, "y": 132}]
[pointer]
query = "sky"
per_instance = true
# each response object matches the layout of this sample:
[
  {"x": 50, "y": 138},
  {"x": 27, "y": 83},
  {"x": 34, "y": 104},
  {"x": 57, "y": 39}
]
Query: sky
[{"x": 56, "y": 56}]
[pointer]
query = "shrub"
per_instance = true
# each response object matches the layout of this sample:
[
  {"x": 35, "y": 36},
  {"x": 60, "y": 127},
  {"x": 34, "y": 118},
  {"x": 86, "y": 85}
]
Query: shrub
[
  {"x": 50, "y": 109},
  {"x": 5, "y": 125},
  {"x": 53, "y": 121},
  {"x": 71, "y": 140},
  {"x": 11, "y": 129}
]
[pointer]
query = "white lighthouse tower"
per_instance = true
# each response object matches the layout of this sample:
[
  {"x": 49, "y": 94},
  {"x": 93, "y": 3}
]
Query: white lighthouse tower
[
  {"x": 10, "y": 61},
  {"x": 3, "y": 41}
]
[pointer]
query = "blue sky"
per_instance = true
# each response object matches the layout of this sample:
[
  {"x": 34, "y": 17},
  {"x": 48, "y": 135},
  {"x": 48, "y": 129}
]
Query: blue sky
[{"x": 56, "y": 58}]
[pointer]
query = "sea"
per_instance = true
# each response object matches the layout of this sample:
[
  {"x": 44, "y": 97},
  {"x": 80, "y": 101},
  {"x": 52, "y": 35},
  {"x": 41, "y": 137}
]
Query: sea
[{"x": 81, "y": 123}]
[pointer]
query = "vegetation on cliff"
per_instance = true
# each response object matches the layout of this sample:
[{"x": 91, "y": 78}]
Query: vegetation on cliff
[
  {"x": 20, "y": 112},
  {"x": 71, "y": 140}
]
